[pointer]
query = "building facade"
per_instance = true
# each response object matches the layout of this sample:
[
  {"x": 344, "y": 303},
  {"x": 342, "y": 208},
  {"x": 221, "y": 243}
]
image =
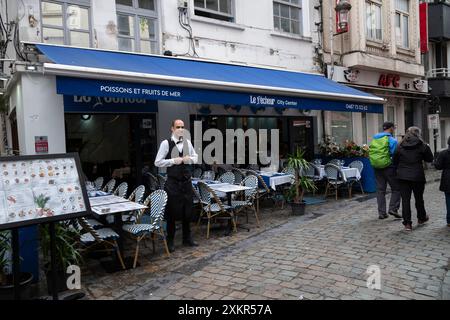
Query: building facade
[
  {"x": 271, "y": 33},
  {"x": 379, "y": 53},
  {"x": 437, "y": 64}
]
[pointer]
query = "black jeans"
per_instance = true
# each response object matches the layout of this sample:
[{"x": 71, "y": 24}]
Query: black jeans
[{"x": 406, "y": 187}]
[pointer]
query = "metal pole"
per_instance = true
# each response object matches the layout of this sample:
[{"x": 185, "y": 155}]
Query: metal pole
[
  {"x": 331, "y": 73},
  {"x": 16, "y": 263},
  {"x": 53, "y": 260}
]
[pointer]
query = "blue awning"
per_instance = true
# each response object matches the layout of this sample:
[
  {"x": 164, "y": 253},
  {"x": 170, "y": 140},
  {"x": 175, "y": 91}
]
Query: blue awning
[{"x": 91, "y": 72}]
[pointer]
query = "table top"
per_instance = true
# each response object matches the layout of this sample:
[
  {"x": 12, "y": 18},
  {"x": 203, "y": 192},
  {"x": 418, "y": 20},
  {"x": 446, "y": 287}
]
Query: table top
[
  {"x": 117, "y": 207},
  {"x": 228, "y": 188},
  {"x": 113, "y": 204}
]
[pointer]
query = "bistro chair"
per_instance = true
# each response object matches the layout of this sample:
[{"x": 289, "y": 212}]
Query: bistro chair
[
  {"x": 197, "y": 173},
  {"x": 227, "y": 177},
  {"x": 98, "y": 183},
  {"x": 313, "y": 173},
  {"x": 105, "y": 237},
  {"x": 239, "y": 175},
  {"x": 136, "y": 196},
  {"x": 151, "y": 181},
  {"x": 121, "y": 190},
  {"x": 212, "y": 210},
  {"x": 336, "y": 162},
  {"x": 109, "y": 187},
  {"x": 249, "y": 198},
  {"x": 161, "y": 181},
  {"x": 157, "y": 201},
  {"x": 335, "y": 179},
  {"x": 208, "y": 175},
  {"x": 360, "y": 166},
  {"x": 263, "y": 190}
]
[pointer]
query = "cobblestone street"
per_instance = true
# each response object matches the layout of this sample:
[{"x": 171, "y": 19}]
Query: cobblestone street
[{"x": 322, "y": 255}]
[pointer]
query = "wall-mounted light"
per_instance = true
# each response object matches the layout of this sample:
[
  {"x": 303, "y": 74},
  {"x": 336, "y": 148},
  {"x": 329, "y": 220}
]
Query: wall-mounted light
[
  {"x": 343, "y": 8},
  {"x": 86, "y": 117}
]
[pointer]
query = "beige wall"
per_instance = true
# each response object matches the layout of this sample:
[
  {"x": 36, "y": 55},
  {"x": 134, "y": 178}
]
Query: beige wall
[{"x": 352, "y": 49}]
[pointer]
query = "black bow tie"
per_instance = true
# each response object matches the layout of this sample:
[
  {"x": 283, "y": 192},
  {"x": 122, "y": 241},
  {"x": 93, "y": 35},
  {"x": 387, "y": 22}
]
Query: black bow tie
[{"x": 179, "y": 141}]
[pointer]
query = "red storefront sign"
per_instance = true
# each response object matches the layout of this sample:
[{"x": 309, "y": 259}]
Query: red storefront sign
[
  {"x": 41, "y": 144},
  {"x": 386, "y": 80},
  {"x": 423, "y": 14}
]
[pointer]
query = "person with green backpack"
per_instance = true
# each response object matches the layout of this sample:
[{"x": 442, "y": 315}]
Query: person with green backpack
[{"x": 381, "y": 150}]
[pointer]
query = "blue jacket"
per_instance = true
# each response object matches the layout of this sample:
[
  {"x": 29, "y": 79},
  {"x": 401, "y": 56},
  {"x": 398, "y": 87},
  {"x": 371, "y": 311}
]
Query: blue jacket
[{"x": 392, "y": 142}]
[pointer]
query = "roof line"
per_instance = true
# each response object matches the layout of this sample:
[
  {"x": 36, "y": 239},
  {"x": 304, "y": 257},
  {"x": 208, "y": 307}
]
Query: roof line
[{"x": 204, "y": 60}]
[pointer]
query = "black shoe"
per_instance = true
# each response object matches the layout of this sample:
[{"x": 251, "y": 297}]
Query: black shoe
[
  {"x": 190, "y": 243},
  {"x": 382, "y": 216},
  {"x": 423, "y": 221},
  {"x": 395, "y": 214},
  {"x": 170, "y": 246}
]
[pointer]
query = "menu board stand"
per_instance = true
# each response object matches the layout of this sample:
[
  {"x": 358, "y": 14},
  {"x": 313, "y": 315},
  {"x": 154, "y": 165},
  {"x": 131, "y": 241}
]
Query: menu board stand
[
  {"x": 16, "y": 262},
  {"x": 57, "y": 193}
]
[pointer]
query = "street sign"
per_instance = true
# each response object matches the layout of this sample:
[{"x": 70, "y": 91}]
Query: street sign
[
  {"x": 41, "y": 144},
  {"x": 433, "y": 121}
]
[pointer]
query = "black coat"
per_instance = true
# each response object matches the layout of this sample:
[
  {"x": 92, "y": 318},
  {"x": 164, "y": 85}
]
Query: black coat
[
  {"x": 443, "y": 163},
  {"x": 409, "y": 159}
]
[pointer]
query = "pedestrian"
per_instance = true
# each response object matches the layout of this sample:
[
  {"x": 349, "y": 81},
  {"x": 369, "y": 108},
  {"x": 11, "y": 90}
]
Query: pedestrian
[
  {"x": 409, "y": 158},
  {"x": 443, "y": 163},
  {"x": 177, "y": 155},
  {"x": 382, "y": 149}
]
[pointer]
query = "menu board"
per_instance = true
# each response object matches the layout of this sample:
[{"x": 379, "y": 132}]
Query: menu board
[{"x": 36, "y": 189}]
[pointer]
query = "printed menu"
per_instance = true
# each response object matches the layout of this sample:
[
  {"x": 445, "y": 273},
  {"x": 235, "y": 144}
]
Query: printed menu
[{"x": 41, "y": 188}]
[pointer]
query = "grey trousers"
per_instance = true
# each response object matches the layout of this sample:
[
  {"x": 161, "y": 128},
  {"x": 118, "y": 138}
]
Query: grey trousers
[{"x": 383, "y": 177}]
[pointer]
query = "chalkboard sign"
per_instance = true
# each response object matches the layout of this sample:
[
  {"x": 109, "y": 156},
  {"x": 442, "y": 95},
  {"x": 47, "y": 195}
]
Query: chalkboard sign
[{"x": 40, "y": 189}]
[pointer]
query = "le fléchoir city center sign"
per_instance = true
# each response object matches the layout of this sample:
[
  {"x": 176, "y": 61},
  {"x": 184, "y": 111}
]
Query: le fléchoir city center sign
[{"x": 99, "y": 88}]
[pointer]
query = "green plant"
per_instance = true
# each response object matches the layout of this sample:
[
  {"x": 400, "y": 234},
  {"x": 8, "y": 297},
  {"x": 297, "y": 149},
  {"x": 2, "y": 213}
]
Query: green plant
[
  {"x": 302, "y": 183},
  {"x": 41, "y": 201},
  {"x": 66, "y": 239},
  {"x": 5, "y": 247}
]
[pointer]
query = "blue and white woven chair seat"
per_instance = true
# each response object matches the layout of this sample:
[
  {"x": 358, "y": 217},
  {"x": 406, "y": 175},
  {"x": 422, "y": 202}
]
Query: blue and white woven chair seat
[
  {"x": 104, "y": 234},
  {"x": 238, "y": 204},
  {"x": 95, "y": 223},
  {"x": 136, "y": 229},
  {"x": 216, "y": 208},
  {"x": 336, "y": 182}
]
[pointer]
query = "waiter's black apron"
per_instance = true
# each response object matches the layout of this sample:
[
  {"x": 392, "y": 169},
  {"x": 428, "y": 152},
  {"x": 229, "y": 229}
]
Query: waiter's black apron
[{"x": 179, "y": 188}]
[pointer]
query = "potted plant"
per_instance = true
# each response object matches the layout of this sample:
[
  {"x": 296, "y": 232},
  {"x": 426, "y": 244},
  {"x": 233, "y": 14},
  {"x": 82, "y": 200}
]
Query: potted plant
[
  {"x": 67, "y": 253},
  {"x": 6, "y": 279},
  {"x": 301, "y": 183}
]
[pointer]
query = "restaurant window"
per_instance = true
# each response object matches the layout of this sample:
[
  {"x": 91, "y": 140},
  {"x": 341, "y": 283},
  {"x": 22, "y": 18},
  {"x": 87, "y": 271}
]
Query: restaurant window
[
  {"x": 66, "y": 23},
  {"x": 374, "y": 20},
  {"x": 364, "y": 127},
  {"x": 286, "y": 16},
  {"x": 341, "y": 126},
  {"x": 402, "y": 23},
  {"x": 136, "y": 25},
  {"x": 215, "y": 9}
]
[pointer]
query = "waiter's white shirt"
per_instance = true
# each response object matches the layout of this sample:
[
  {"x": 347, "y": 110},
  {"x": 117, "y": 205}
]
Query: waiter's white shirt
[{"x": 162, "y": 162}]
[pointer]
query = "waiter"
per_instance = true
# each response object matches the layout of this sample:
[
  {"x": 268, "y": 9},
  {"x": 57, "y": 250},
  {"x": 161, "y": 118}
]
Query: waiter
[{"x": 177, "y": 155}]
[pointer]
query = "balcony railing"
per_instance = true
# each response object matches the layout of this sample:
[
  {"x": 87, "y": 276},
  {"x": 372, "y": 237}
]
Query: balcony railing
[{"x": 439, "y": 73}]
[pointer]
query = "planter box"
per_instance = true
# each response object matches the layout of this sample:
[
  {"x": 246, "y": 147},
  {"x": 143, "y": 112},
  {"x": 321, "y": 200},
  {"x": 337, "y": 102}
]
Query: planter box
[{"x": 367, "y": 175}]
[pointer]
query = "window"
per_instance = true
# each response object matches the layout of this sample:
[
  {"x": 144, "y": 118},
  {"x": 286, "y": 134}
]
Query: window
[
  {"x": 286, "y": 16},
  {"x": 136, "y": 25},
  {"x": 402, "y": 23},
  {"x": 373, "y": 20},
  {"x": 66, "y": 23},
  {"x": 215, "y": 9},
  {"x": 341, "y": 126},
  {"x": 390, "y": 114}
]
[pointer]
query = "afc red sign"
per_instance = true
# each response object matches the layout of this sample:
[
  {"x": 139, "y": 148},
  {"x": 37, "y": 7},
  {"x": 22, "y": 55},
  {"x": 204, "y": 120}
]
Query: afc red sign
[
  {"x": 386, "y": 80},
  {"x": 41, "y": 144}
]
